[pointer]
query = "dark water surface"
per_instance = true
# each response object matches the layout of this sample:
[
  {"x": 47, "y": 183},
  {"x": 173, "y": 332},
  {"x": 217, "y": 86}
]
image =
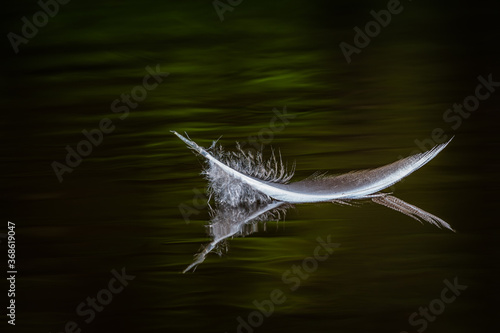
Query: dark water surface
[{"x": 138, "y": 202}]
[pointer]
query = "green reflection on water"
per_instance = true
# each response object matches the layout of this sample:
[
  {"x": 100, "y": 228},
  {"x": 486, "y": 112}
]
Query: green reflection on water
[{"x": 120, "y": 206}]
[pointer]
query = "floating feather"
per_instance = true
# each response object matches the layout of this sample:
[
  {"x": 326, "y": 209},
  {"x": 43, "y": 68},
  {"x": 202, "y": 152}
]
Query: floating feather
[
  {"x": 248, "y": 188},
  {"x": 235, "y": 177}
]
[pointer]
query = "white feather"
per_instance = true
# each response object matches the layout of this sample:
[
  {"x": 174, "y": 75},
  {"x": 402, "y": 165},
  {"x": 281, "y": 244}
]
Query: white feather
[
  {"x": 248, "y": 188},
  {"x": 354, "y": 185}
]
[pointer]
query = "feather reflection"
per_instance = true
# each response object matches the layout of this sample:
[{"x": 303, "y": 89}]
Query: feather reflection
[{"x": 235, "y": 221}]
